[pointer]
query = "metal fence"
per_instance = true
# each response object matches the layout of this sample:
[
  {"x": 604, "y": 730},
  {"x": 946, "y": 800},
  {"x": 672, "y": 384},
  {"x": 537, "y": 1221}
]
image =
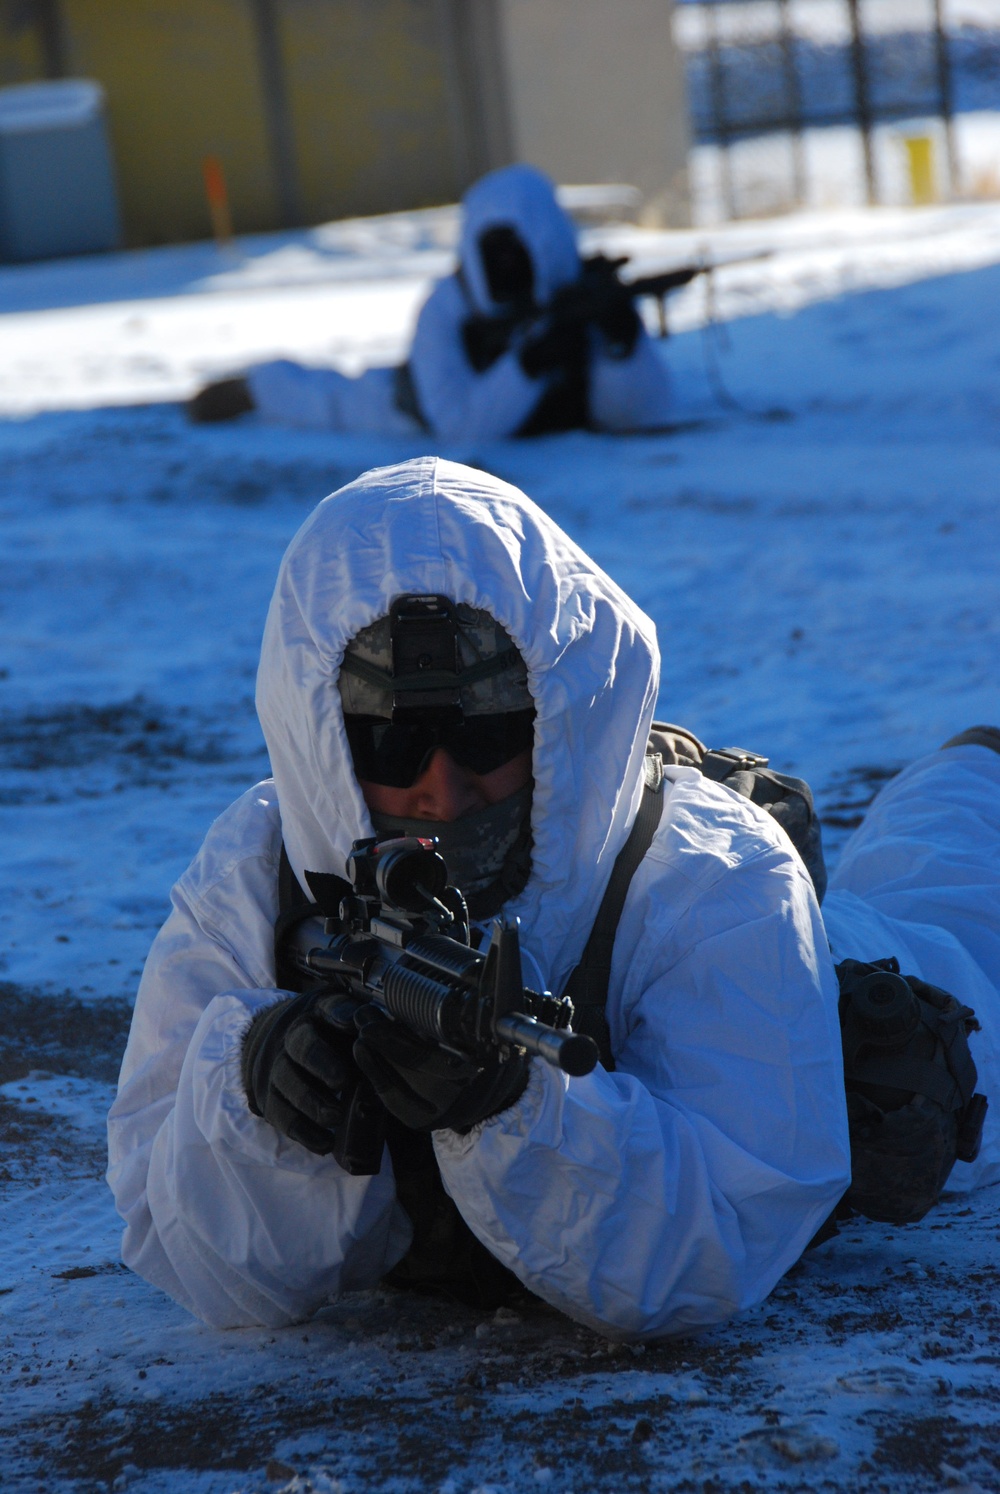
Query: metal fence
[{"x": 789, "y": 96}]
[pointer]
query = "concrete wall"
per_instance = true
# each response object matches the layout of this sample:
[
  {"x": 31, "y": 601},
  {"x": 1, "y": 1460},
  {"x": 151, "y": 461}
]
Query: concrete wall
[
  {"x": 596, "y": 94},
  {"x": 474, "y": 54},
  {"x": 590, "y": 90}
]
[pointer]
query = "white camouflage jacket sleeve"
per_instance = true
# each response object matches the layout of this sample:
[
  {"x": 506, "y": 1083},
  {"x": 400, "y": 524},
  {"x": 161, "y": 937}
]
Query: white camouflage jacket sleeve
[
  {"x": 680, "y": 1188},
  {"x": 237, "y": 1223}
]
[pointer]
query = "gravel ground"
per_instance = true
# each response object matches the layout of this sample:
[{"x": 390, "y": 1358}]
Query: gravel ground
[
  {"x": 872, "y": 1367},
  {"x": 819, "y": 555}
]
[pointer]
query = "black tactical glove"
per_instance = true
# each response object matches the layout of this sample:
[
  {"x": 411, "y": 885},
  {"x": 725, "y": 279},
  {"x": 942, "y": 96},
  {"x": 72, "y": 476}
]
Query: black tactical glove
[
  {"x": 426, "y": 1088},
  {"x": 296, "y": 1060},
  {"x": 560, "y": 344},
  {"x": 618, "y": 322}
]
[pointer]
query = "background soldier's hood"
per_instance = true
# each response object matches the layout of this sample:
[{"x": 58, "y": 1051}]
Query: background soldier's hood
[
  {"x": 524, "y": 198},
  {"x": 593, "y": 666}
]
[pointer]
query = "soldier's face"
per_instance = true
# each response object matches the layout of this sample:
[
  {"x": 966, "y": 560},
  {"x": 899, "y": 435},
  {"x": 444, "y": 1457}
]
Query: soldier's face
[{"x": 446, "y": 791}]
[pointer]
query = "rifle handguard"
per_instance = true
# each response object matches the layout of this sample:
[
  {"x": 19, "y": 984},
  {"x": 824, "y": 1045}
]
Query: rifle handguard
[{"x": 470, "y": 1002}]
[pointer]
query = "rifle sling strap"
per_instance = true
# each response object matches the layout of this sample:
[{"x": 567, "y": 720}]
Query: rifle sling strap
[{"x": 588, "y": 984}]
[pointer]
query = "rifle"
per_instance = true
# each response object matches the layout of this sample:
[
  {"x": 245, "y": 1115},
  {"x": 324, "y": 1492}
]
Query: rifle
[
  {"x": 402, "y": 942},
  {"x": 595, "y": 293}
]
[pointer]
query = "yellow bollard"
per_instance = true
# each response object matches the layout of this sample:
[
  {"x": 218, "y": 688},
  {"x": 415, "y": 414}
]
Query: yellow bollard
[{"x": 920, "y": 159}]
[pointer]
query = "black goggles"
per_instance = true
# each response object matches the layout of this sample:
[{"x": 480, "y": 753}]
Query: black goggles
[{"x": 395, "y": 754}]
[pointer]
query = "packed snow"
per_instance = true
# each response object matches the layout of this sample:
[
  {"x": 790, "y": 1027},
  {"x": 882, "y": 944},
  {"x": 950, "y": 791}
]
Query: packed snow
[{"x": 816, "y": 538}]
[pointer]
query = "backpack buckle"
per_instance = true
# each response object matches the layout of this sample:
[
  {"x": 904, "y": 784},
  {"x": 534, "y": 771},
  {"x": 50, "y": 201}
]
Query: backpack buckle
[
  {"x": 720, "y": 762},
  {"x": 652, "y": 767}
]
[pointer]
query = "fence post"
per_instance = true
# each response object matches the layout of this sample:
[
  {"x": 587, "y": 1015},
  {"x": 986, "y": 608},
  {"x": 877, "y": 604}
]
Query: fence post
[
  {"x": 863, "y": 97},
  {"x": 794, "y": 105},
  {"x": 718, "y": 86},
  {"x": 945, "y": 96}
]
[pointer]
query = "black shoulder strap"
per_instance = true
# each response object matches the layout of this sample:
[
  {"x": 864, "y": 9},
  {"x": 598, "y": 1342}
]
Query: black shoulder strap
[
  {"x": 588, "y": 984},
  {"x": 787, "y": 800}
]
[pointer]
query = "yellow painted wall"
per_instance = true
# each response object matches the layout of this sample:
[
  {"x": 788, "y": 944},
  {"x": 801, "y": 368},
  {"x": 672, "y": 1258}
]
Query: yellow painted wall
[
  {"x": 369, "y": 112},
  {"x": 597, "y": 94},
  {"x": 21, "y": 59},
  {"x": 182, "y": 82},
  {"x": 377, "y": 98}
]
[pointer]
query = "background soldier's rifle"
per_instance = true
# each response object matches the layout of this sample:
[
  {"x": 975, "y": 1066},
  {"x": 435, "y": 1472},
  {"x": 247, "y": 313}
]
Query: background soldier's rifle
[{"x": 592, "y": 297}]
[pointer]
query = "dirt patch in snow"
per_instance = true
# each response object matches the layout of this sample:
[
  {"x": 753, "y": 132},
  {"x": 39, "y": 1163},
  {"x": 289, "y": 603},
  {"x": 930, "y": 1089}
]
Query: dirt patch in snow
[
  {"x": 133, "y": 743},
  {"x": 63, "y": 1035}
]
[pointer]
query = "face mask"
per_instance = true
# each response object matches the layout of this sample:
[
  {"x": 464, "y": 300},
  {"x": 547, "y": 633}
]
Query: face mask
[{"x": 487, "y": 853}]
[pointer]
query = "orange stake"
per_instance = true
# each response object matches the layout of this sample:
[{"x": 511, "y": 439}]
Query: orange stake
[{"x": 218, "y": 200}]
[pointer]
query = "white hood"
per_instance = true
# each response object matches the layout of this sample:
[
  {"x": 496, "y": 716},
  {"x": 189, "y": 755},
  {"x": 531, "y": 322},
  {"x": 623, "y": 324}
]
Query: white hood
[
  {"x": 434, "y": 526},
  {"x": 523, "y": 198}
]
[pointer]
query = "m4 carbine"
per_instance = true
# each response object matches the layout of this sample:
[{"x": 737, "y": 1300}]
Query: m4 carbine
[
  {"x": 402, "y": 942},
  {"x": 590, "y": 298}
]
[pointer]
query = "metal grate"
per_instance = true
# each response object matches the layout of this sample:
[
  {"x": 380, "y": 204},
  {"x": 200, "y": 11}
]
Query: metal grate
[{"x": 771, "y": 81}]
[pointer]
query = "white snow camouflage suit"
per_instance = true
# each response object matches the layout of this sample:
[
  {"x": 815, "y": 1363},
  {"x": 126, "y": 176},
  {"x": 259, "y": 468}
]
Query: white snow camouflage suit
[
  {"x": 659, "y": 1198},
  {"x": 458, "y": 403}
]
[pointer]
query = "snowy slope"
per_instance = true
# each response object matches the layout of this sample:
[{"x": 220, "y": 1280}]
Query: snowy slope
[{"x": 817, "y": 542}]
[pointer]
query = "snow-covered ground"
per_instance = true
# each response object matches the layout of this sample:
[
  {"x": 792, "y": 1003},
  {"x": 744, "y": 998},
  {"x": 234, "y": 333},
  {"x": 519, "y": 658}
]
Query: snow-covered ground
[
  {"x": 155, "y": 324},
  {"x": 817, "y": 541}
]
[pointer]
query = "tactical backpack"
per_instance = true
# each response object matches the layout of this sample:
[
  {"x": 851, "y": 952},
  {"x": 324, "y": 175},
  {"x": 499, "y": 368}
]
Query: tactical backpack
[{"x": 908, "y": 1072}]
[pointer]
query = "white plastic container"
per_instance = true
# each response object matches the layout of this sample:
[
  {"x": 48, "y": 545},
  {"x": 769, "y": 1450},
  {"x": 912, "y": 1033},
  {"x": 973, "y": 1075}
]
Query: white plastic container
[{"x": 57, "y": 187}]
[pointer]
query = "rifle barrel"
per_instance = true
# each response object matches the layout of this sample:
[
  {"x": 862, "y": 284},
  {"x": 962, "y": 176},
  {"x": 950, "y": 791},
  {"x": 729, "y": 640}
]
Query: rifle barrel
[
  {"x": 661, "y": 285},
  {"x": 668, "y": 280},
  {"x": 573, "y": 1052}
]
